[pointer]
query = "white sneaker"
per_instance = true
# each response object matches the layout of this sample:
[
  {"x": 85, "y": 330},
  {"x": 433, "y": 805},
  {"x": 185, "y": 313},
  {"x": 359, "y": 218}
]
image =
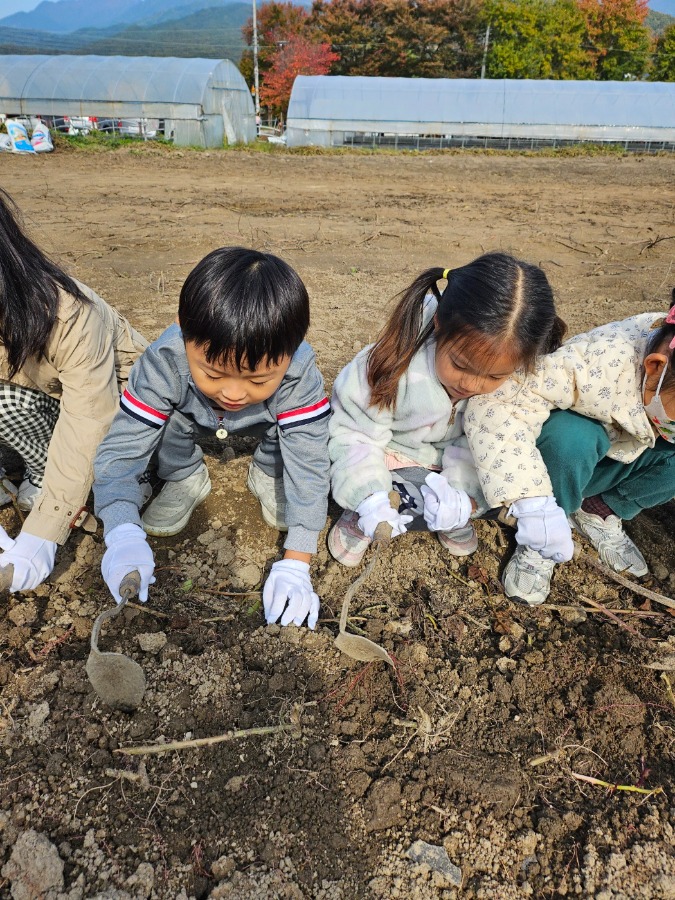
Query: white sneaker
[
  {"x": 614, "y": 546},
  {"x": 270, "y": 493},
  {"x": 527, "y": 576},
  {"x": 27, "y": 495},
  {"x": 171, "y": 509}
]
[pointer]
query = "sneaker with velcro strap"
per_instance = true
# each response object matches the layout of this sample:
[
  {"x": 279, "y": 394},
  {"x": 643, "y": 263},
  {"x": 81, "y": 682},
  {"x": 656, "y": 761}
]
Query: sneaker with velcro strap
[
  {"x": 460, "y": 541},
  {"x": 346, "y": 542},
  {"x": 171, "y": 509}
]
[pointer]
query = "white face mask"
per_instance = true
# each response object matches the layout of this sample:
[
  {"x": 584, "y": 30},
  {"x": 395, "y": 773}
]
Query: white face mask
[{"x": 656, "y": 412}]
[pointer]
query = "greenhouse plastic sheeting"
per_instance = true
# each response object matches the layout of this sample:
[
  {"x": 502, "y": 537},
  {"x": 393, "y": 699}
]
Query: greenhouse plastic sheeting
[
  {"x": 125, "y": 86},
  {"x": 325, "y": 108}
]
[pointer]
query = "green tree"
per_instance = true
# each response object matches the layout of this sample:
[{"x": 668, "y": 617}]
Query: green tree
[
  {"x": 618, "y": 40},
  {"x": 408, "y": 38},
  {"x": 663, "y": 63},
  {"x": 536, "y": 39}
]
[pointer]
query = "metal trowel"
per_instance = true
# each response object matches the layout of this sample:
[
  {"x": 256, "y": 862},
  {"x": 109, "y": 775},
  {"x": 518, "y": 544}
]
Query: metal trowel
[
  {"x": 354, "y": 645},
  {"x": 6, "y": 576},
  {"x": 118, "y": 680}
]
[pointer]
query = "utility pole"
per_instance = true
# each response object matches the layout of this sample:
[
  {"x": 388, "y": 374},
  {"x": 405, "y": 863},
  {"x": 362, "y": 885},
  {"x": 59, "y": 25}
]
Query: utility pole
[
  {"x": 485, "y": 50},
  {"x": 256, "y": 77}
]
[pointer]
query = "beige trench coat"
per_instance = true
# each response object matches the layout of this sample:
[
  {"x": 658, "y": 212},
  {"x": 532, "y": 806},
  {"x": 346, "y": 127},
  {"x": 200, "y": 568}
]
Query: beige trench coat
[{"x": 85, "y": 365}]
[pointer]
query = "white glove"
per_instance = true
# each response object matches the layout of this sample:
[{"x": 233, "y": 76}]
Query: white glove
[
  {"x": 376, "y": 509},
  {"x": 543, "y": 526},
  {"x": 31, "y": 556},
  {"x": 128, "y": 550},
  {"x": 445, "y": 507},
  {"x": 288, "y": 585}
]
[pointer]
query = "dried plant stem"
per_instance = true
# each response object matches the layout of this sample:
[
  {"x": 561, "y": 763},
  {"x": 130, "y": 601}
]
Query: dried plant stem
[
  {"x": 204, "y": 742},
  {"x": 616, "y": 787},
  {"x": 624, "y": 582},
  {"x": 610, "y": 615},
  {"x": 669, "y": 690}
]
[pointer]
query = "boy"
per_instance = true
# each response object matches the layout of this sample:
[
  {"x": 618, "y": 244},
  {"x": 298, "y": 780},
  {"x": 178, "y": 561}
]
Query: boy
[{"x": 234, "y": 363}]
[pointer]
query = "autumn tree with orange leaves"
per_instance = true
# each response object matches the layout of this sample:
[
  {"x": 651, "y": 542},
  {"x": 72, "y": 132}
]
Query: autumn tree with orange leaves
[
  {"x": 298, "y": 56},
  {"x": 617, "y": 40}
]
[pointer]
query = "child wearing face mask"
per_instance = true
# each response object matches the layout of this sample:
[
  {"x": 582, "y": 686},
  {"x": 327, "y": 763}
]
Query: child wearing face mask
[
  {"x": 591, "y": 430},
  {"x": 398, "y": 406}
]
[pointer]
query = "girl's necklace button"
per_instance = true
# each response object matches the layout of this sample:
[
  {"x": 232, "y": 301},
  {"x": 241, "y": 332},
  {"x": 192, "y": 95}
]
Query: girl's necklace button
[{"x": 221, "y": 434}]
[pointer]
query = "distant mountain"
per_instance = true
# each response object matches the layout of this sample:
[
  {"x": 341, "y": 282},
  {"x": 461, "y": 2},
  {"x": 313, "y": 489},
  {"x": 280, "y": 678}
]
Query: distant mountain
[
  {"x": 214, "y": 33},
  {"x": 66, "y": 16},
  {"x": 658, "y": 21},
  {"x": 69, "y": 15}
]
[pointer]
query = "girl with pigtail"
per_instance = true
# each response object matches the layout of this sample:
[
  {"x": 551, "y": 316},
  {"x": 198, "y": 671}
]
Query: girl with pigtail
[{"x": 398, "y": 406}]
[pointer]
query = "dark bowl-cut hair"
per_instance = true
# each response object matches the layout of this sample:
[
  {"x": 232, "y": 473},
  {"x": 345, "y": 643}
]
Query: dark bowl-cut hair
[{"x": 244, "y": 306}]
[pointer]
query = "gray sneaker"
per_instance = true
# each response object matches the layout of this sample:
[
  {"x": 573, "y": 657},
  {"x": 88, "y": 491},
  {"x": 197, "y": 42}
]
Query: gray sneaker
[
  {"x": 614, "y": 546},
  {"x": 171, "y": 509},
  {"x": 270, "y": 493},
  {"x": 527, "y": 576}
]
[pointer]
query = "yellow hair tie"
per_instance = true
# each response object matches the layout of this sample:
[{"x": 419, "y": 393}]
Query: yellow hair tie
[{"x": 446, "y": 272}]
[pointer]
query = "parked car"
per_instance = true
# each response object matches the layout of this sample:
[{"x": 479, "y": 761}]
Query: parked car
[
  {"x": 143, "y": 128},
  {"x": 70, "y": 124}
]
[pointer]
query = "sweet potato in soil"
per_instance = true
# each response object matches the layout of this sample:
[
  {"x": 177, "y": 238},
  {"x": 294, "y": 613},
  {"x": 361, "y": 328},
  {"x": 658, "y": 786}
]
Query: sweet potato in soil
[{"x": 472, "y": 742}]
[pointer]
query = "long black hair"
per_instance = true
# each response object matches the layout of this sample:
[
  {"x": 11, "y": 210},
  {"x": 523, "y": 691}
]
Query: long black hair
[
  {"x": 244, "y": 305},
  {"x": 496, "y": 299},
  {"x": 662, "y": 333},
  {"x": 29, "y": 290}
]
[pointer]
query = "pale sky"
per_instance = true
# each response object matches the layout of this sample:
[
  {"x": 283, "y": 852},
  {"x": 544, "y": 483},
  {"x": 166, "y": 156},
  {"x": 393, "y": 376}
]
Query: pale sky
[{"x": 7, "y": 7}]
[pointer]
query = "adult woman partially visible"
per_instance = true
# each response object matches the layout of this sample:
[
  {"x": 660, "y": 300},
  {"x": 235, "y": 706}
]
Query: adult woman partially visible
[{"x": 64, "y": 357}]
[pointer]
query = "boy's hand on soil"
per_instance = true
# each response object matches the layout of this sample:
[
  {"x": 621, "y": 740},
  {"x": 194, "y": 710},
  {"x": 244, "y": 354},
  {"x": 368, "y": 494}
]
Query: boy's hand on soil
[
  {"x": 31, "y": 556},
  {"x": 288, "y": 590},
  {"x": 445, "y": 507},
  {"x": 376, "y": 509},
  {"x": 543, "y": 526},
  {"x": 128, "y": 550}
]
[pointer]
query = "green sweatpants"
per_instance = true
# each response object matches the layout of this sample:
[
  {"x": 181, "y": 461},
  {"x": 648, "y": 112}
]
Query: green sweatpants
[{"x": 574, "y": 450}]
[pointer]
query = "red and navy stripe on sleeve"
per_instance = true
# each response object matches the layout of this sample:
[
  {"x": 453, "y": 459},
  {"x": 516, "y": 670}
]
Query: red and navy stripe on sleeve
[
  {"x": 133, "y": 407},
  {"x": 304, "y": 415}
]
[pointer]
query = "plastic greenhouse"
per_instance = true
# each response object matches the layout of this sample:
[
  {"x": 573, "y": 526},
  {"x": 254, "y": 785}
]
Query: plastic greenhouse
[
  {"x": 422, "y": 112},
  {"x": 202, "y": 102}
]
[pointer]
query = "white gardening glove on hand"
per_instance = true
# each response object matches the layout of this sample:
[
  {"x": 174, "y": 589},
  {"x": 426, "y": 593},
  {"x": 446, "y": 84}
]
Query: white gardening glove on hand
[
  {"x": 31, "y": 556},
  {"x": 445, "y": 507},
  {"x": 288, "y": 586},
  {"x": 376, "y": 509},
  {"x": 543, "y": 526},
  {"x": 128, "y": 551}
]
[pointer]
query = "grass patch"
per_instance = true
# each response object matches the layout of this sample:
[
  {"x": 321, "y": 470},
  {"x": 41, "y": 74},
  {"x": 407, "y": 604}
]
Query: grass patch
[{"x": 97, "y": 142}]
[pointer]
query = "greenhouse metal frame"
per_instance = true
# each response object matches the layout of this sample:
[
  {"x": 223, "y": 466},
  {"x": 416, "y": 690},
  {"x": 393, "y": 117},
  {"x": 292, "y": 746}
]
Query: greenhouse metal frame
[{"x": 202, "y": 102}]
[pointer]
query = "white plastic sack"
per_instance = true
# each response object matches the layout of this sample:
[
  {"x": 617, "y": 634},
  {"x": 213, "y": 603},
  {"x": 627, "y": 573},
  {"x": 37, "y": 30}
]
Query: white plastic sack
[
  {"x": 19, "y": 137},
  {"x": 41, "y": 139}
]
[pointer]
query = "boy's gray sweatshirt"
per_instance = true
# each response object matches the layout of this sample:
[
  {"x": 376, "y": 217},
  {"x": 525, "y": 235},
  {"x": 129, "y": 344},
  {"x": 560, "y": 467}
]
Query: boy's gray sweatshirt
[{"x": 160, "y": 384}]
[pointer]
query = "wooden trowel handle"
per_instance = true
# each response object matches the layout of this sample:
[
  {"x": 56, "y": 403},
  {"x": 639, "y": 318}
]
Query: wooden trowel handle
[
  {"x": 130, "y": 585},
  {"x": 383, "y": 531}
]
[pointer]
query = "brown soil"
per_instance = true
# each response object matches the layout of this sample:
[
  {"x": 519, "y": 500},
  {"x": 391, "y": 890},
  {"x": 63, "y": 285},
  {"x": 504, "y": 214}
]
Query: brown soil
[{"x": 472, "y": 743}]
